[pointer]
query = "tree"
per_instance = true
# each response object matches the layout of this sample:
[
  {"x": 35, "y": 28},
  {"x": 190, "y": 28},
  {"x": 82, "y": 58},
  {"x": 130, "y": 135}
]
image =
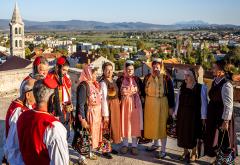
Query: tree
[
  {"x": 140, "y": 45},
  {"x": 61, "y": 50},
  {"x": 28, "y": 53},
  {"x": 137, "y": 64},
  {"x": 236, "y": 56},
  {"x": 179, "y": 45},
  {"x": 31, "y": 46},
  {"x": 119, "y": 64},
  {"x": 224, "y": 48},
  {"x": 189, "y": 48}
]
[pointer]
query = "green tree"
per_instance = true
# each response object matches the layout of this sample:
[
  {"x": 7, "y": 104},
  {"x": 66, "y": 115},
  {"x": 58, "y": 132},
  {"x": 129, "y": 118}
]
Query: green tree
[
  {"x": 189, "y": 48},
  {"x": 140, "y": 45},
  {"x": 28, "y": 53},
  {"x": 236, "y": 56},
  {"x": 225, "y": 49},
  {"x": 137, "y": 64},
  {"x": 179, "y": 45},
  {"x": 119, "y": 64}
]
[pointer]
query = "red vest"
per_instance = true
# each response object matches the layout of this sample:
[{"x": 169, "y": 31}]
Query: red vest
[
  {"x": 31, "y": 127},
  {"x": 15, "y": 104}
]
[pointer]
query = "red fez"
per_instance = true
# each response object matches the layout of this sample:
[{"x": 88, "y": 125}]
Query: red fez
[
  {"x": 61, "y": 60},
  {"x": 50, "y": 82},
  {"x": 37, "y": 61}
]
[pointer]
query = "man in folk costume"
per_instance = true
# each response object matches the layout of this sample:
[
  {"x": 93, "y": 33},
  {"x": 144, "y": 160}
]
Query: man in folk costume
[
  {"x": 220, "y": 115},
  {"x": 131, "y": 107},
  {"x": 159, "y": 102},
  {"x": 17, "y": 107},
  {"x": 40, "y": 69},
  {"x": 62, "y": 105},
  {"x": 88, "y": 112},
  {"x": 191, "y": 112},
  {"x": 110, "y": 109},
  {"x": 42, "y": 138}
]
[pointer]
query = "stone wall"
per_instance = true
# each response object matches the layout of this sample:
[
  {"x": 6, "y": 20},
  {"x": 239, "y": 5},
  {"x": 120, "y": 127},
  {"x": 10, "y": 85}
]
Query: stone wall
[{"x": 10, "y": 81}]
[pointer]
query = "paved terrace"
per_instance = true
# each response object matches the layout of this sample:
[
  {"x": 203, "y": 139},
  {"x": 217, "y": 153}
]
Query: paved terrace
[{"x": 144, "y": 158}]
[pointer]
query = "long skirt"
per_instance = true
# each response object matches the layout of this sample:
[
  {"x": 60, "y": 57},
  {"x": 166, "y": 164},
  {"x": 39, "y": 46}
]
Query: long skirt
[
  {"x": 131, "y": 118},
  {"x": 95, "y": 121},
  {"x": 189, "y": 127},
  {"x": 115, "y": 120},
  {"x": 214, "y": 121},
  {"x": 155, "y": 117}
]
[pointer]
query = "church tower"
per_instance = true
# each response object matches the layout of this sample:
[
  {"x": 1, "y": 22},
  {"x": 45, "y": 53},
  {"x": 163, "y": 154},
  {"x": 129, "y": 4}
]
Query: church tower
[{"x": 17, "y": 45}]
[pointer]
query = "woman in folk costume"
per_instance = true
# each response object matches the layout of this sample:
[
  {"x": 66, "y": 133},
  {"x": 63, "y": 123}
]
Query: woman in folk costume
[
  {"x": 40, "y": 69},
  {"x": 88, "y": 109},
  {"x": 159, "y": 102},
  {"x": 220, "y": 111},
  {"x": 62, "y": 104},
  {"x": 191, "y": 112},
  {"x": 131, "y": 107},
  {"x": 110, "y": 107}
]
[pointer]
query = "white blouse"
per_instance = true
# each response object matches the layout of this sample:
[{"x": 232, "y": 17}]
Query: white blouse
[{"x": 105, "y": 109}]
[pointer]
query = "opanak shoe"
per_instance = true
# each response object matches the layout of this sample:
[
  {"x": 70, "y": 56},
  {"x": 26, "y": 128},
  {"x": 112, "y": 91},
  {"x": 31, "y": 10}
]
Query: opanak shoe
[
  {"x": 107, "y": 155},
  {"x": 124, "y": 149},
  {"x": 134, "y": 151},
  {"x": 161, "y": 155}
]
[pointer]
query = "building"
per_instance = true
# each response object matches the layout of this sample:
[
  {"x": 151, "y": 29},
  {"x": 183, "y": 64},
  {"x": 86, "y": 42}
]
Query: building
[
  {"x": 15, "y": 62},
  {"x": 178, "y": 69},
  {"x": 17, "y": 42},
  {"x": 90, "y": 59},
  {"x": 123, "y": 55},
  {"x": 86, "y": 46}
]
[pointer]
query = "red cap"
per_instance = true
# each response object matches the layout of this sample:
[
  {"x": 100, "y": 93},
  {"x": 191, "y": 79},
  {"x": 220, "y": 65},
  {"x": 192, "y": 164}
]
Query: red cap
[
  {"x": 61, "y": 60},
  {"x": 50, "y": 83},
  {"x": 37, "y": 61}
]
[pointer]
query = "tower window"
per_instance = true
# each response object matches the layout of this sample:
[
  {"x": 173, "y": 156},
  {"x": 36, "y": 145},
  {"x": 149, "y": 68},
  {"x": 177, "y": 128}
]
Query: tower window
[
  {"x": 20, "y": 30},
  {"x": 20, "y": 43},
  {"x": 16, "y": 30},
  {"x": 16, "y": 43}
]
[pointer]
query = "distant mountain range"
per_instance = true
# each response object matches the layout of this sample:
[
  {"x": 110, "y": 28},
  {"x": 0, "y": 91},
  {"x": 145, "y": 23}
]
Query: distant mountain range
[{"x": 94, "y": 25}]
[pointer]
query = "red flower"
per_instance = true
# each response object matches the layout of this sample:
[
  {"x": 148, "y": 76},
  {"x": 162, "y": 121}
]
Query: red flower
[
  {"x": 37, "y": 61},
  {"x": 61, "y": 60}
]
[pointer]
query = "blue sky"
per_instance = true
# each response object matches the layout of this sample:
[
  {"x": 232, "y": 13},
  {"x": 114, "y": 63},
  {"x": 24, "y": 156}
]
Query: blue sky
[{"x": 150, "y": 11}]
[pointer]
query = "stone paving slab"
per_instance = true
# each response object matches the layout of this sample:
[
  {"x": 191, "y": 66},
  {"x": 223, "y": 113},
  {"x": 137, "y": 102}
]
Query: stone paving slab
[{"x": 144, "y": 158}]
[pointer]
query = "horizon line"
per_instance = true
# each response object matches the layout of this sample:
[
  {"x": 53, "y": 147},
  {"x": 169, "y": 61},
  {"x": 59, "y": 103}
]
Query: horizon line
[{"x": 176, "y": 23}]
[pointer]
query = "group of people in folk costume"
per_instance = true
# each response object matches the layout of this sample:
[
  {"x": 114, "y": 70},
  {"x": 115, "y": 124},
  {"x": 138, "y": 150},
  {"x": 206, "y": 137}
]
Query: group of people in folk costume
[{"x": 107, "y": 111}]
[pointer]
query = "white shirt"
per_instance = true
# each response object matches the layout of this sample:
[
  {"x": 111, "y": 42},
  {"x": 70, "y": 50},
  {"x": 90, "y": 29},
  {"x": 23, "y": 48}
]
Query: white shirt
[
  {"x": 11, "y": 146},
  {"x": 204, "y": 102},
  {"x": 55, "y": 139},
  {"x": 105, "y": 109},
  {"x": 65, "y": 95},
  {"x": 227, "y": 98}
]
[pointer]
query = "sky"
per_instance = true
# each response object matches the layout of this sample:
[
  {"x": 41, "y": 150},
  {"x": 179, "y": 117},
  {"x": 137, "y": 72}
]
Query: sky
[{"x": 149, "y": 11}]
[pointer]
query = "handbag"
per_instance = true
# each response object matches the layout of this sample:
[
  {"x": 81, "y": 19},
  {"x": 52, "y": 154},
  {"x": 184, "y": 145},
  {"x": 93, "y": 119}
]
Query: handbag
[
  {"x": 105, "y": 146},
  {"x": 224, "y": 156},
  {"x": 82, "y": 143}
]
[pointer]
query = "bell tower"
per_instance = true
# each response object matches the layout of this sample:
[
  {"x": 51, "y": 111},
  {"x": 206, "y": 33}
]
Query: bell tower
[{"x": 17, "y": 44}]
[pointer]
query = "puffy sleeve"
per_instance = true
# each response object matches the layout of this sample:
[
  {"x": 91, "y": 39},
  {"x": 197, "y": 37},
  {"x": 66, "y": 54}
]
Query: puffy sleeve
[
  {"x": 105, "y": 110},
  {"x": 11, "y": 146},
  {"x": 177, "y": 103},
  {"x": 204, "y": 102},
  {"x": 55, "y": 139},
  {"x": 81, "y": 100},
  {"x": 170, "y": 93},
  {"x": 227, "y": 97}
]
